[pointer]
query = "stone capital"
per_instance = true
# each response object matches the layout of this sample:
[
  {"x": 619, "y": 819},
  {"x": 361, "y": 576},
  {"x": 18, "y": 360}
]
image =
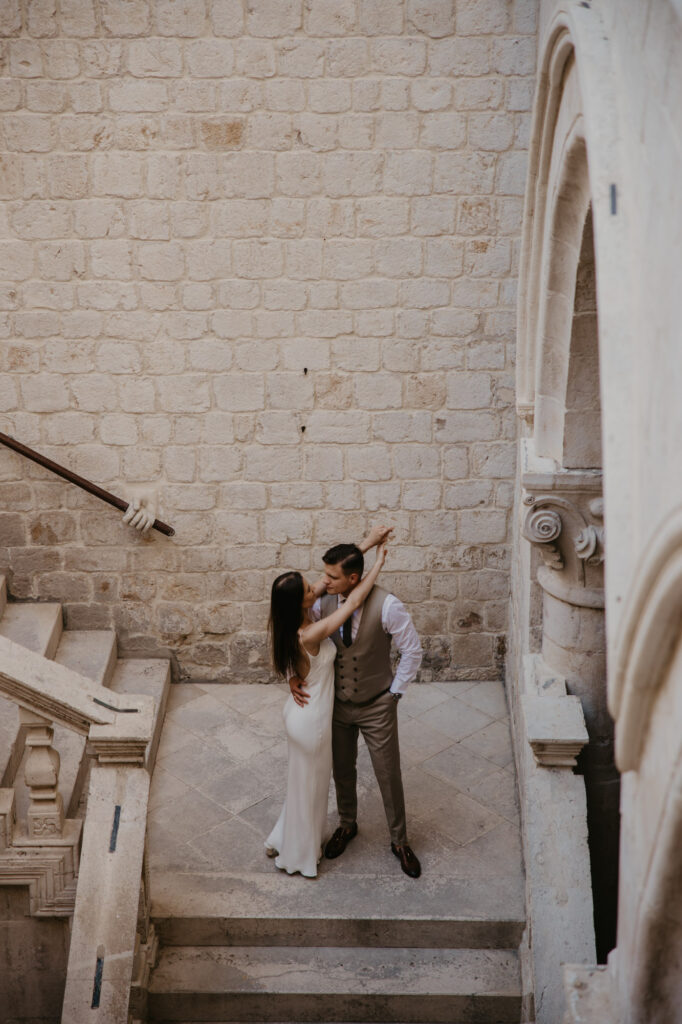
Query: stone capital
[{"x": 563, "y": 518}]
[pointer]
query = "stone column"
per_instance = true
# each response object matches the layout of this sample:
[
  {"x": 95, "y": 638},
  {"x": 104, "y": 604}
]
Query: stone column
[{"x": 568, "y": 533}]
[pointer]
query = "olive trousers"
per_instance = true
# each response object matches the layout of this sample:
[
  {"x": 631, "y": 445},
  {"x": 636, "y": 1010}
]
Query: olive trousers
[{"x": 378, "y": 723}]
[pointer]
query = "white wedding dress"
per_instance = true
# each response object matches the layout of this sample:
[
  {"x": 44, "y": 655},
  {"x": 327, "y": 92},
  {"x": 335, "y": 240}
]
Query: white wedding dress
[{"x": 297, "y": 837}]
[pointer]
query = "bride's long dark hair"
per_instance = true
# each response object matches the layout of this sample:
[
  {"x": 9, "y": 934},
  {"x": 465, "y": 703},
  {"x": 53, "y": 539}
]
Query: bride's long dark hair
[{"x": 286, "y": 615}]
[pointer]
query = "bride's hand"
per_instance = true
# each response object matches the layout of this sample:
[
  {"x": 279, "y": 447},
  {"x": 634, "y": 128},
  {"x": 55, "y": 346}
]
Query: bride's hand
[
  {"x": 377, "y": 535},
  {"x": 381, "y": 553}
]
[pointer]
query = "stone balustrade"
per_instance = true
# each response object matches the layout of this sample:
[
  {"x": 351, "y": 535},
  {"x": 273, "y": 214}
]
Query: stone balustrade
[{"x": 91, "y": 883}]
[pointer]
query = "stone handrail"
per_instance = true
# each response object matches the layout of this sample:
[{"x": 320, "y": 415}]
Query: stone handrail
[
  {"x": 102, "y": 949},
  {"x": 60, "y": 695},
  {"x": 99, "y": 882}
]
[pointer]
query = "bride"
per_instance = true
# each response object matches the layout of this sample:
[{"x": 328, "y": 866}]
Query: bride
[{"x": 302, "y": 647}]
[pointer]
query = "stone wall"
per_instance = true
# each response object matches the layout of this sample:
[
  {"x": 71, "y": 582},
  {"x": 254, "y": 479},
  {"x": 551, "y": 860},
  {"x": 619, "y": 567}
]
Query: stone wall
[
  {"x": 261, "y": 258},
  {"x": 33, "y": 954}
]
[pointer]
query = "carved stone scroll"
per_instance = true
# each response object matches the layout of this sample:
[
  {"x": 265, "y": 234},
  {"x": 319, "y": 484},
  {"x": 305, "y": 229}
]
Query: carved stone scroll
[
  {"x": 562, "y": 532},
  {"x": 589, "y": 544},
  {"x": 542, "y": 527}
]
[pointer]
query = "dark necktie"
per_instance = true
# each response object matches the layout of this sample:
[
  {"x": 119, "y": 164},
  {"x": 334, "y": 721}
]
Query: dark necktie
[{"x": 347, "y": 632}]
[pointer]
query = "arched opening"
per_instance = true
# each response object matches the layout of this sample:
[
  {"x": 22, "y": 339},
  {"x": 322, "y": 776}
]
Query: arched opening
[
  {"x": 560, "y": 385},
  {"x": 582, "y": 413},
  {"x": 582, "y": 451}
]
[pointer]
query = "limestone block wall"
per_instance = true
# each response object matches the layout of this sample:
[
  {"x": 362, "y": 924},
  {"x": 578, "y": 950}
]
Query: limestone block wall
[{"x": 261, "y": 258}]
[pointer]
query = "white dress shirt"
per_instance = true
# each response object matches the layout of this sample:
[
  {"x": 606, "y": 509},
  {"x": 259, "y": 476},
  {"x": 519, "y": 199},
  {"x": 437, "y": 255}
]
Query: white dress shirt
[{"x": 396, "y": 621}]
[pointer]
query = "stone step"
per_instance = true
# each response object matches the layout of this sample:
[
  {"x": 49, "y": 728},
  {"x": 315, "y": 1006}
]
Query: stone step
[
  {"x": 205, "y": 909},
  {"x": 38, "y": 627},
  {"x": 463, "y": 986},
  {"x": 89, "y": 652}
]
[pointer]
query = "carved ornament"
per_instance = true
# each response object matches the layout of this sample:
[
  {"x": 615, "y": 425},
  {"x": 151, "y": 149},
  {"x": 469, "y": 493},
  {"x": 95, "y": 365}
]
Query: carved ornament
[
  {"x": 47, "y": 865},
  {"x": 542, "y": 526},
  {"x": 566, "y": 539}
]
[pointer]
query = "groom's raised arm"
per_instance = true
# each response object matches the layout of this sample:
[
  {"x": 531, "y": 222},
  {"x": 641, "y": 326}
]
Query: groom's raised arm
[{"x": 377, "y": 535}]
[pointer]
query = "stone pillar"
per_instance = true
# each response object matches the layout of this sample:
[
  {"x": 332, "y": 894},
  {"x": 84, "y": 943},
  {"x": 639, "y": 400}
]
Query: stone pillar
[{"x": 568, "y": 533}]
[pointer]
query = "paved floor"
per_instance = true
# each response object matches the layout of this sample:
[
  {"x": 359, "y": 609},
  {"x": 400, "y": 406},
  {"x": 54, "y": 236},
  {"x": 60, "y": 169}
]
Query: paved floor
[{"x": 221, "y": 773}]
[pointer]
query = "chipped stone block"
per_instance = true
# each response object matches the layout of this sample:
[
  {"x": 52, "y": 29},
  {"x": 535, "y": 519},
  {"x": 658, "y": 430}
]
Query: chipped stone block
[{"x": 555, "y": 727}]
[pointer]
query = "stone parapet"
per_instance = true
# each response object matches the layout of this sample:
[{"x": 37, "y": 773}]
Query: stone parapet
[
  {"x": 549, "y": 730},
  {"x": 103, "y": 942}
]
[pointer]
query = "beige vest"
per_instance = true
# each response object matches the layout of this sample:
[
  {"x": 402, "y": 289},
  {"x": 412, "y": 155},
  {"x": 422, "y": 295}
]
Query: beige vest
[{"x": 362, "y": 670}]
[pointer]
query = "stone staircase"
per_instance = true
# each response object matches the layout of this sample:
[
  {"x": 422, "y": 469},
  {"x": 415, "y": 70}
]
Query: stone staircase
[
  {"x": 91, "y": 654},
  {"x": 241, "y": 941},
  {"x": 429, "y": 964},
  {"x": 33, "y": 981}
]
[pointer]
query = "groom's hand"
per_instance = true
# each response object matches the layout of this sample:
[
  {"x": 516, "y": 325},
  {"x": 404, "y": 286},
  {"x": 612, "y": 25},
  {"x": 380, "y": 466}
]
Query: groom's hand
[
  {"x": 377, "y": 535},
  {"x": 298, "y": 691}
]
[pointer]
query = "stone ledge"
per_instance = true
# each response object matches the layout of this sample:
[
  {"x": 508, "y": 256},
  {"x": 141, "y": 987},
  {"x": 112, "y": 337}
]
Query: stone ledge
[
  {"x": 539, "y": 472},
  {"x": 555, "y": 729}
]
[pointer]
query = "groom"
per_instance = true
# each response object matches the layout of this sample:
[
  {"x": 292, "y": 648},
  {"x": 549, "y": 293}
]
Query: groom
[{"x": 367, "y": 693}]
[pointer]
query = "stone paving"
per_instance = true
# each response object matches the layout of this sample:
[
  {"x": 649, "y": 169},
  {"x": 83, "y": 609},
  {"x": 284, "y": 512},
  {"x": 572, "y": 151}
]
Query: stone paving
[{"x": 221, "y": 774}]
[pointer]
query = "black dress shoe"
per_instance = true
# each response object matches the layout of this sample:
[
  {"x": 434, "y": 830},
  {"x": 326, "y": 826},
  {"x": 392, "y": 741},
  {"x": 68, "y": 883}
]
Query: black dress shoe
[
  {"x": 408, "y": 860},
  {"x": 339, "y": 841}
]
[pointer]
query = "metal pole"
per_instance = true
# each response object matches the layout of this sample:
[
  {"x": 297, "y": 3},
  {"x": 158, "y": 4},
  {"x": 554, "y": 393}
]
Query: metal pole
[{"x": 79, "y": 481}]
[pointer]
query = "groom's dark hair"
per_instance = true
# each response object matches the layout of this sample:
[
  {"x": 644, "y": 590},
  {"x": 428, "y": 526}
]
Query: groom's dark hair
[{"x": 348, "y": 556}]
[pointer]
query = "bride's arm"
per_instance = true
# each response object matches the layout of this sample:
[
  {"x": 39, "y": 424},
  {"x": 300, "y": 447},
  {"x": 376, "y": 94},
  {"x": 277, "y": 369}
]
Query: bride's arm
[
  {"x": 376, "y": 536},
  {"x": 317, "y": 631},
  {"x": 320, "y": 587}
]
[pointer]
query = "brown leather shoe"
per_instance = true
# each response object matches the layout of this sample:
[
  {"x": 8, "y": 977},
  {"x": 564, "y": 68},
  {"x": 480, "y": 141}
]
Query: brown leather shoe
[
  {"x": 340, "y": 840},
  {"x": 408, "y": 860}
]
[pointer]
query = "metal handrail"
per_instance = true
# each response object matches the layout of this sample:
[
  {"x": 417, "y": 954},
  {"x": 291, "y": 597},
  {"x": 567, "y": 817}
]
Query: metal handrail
[{"x": 79, "y": 481}]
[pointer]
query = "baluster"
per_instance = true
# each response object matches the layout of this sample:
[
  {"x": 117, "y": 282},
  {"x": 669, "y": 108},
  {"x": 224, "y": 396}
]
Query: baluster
[
  {"x": 45, "y": 817},
  {"x": 6, "y": 818}
]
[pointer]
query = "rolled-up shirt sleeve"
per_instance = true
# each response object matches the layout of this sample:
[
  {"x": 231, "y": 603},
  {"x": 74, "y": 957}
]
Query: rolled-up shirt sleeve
[{"x": 396, "y": 620}]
